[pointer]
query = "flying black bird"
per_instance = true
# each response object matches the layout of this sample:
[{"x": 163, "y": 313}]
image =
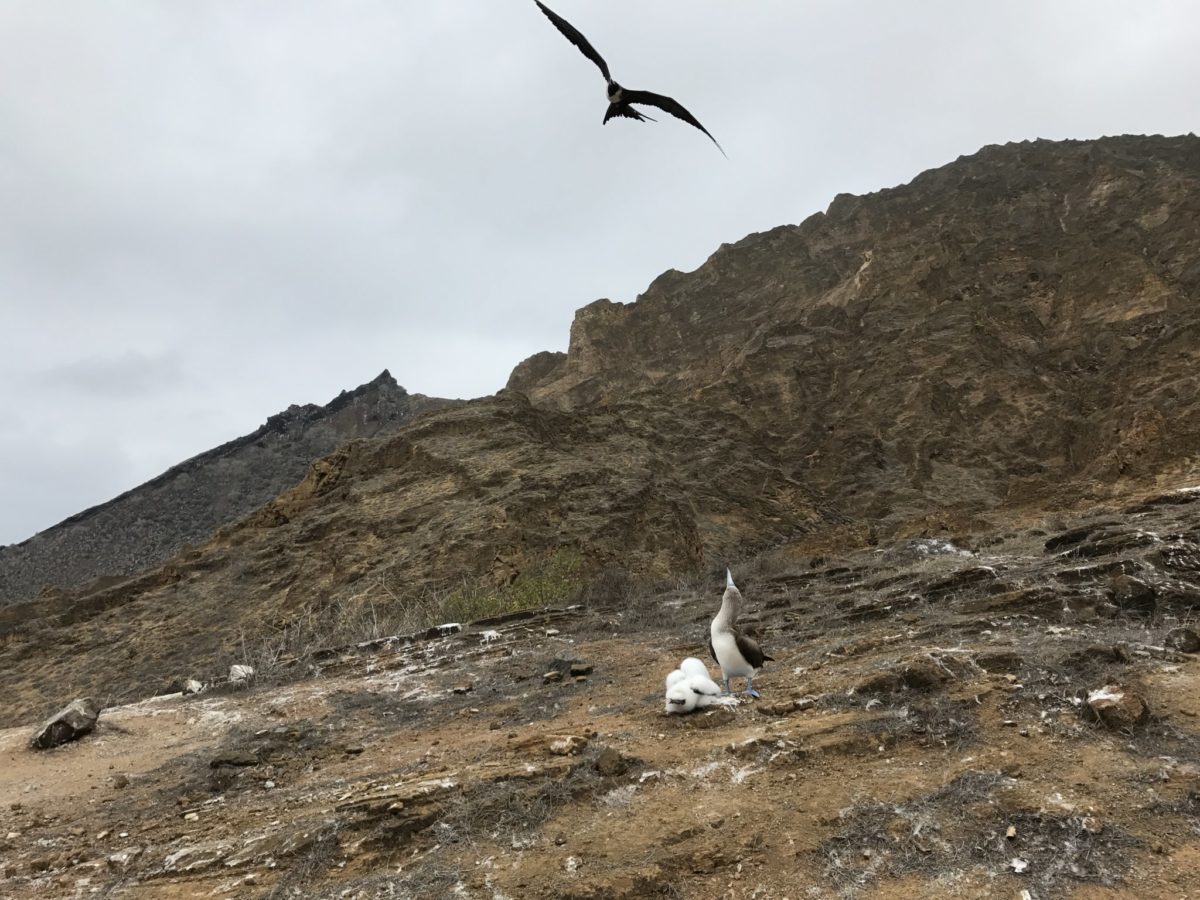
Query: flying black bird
[{"x": 619, "y": 98}]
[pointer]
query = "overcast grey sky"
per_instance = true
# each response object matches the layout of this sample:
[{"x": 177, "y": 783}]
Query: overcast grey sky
[{"x": 212, "y": 209}]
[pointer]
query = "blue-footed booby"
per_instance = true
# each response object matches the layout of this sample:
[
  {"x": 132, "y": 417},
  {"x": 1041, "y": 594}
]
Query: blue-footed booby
[
  {"x": 736, "y": 654},
  {"x": 620, "y": 98}
]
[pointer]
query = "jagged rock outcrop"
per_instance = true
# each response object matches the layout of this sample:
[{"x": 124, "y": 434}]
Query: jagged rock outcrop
[
  {"x": 146, "y": 526},
  {"x": 1016, "y": 328}
]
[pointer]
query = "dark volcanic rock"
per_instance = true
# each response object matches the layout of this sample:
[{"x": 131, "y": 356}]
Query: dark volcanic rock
[
  {"x": 149, "y": 524},
  {"x": 1133, "y": 593},
  {"x": 1185, "y": 640},
  {"x": 72, "y": 722}
]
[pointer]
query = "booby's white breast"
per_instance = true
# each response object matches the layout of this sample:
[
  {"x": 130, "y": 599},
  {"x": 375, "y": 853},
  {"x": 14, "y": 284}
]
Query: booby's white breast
[{"x": 729, "y": 657}]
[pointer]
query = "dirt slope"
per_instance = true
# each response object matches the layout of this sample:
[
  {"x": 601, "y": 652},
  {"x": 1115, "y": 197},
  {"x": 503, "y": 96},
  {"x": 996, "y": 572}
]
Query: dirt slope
[{"x": 920, "y": 735}]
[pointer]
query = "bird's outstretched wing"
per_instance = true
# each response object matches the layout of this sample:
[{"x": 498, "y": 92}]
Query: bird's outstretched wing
[
  {"x": 572, "y": 34},
  {"x": 668, "y": 105}
]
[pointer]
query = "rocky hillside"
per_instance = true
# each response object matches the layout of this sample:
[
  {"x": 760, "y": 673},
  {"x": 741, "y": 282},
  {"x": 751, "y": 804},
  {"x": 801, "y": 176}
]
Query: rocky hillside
[
  {"x": 146, "y": 526},
  {"x": 1011, "y": 334},
  {"x": 1019, "y": 328}
]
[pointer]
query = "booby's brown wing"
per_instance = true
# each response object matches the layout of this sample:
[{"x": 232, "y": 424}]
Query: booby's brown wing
[
  {"x": 571, "y": 33},
  {"x": 750, "y": 650},
  {"x": 668, "y": 105},
  {"x": 711, "y": 650}
]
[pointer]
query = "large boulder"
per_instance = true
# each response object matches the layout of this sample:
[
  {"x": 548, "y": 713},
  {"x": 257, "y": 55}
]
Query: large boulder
[{"x": 69, "y": 724}]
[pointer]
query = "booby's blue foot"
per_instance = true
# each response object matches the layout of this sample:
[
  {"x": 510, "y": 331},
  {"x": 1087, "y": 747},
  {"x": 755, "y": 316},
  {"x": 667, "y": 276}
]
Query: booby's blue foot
[
  {"x": 750, "y": 689},
  {"x": 728, "y": 692}
]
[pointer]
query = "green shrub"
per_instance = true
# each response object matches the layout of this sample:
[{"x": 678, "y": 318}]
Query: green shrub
[{"x": 553, "y": 582}]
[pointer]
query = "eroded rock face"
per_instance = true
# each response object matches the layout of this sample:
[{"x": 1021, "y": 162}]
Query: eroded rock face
[
  {"x": 1015, "y": 326},
  {"x": 72, "y": 722}
]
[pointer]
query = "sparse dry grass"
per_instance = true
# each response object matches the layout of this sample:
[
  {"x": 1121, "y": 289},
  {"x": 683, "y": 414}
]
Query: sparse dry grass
[{"x": 963, "y": 825}]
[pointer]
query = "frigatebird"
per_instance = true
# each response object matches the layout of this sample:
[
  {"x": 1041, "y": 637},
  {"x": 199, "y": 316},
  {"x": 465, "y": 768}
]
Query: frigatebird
[{"x": 620, "y": 98}]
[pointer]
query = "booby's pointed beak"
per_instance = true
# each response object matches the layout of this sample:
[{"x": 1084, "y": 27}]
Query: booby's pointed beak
[{"x": 729, "y": 579}]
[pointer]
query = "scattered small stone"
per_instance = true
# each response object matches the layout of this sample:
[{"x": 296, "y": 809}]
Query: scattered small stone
[
  {"x": 611, "y": 762},
  {"x": 1009, "y": 723},
  {"x": 354, "y": 749},
  {"x": 1018, "y": 865},
  {"x": 268, "y": 785},
  {"x": 1185, "y": 640},
  {"x": 192, "y": 686},
  {"x": 1011, "y": 832},
  {"x": 567, "y": 745},
  {"x": 581, "y": 679},
  {"x": 240, "y": 674},
  {"x": 191, "y": 817},
  {"x": 122, "y": 858},
  {"x": 465, "y": 688},
  {"x": 1092, "y": 825},
  {"x": 102, "y": 835},
  {"x": 69, "y": 724},
  {"x": 552, "y": 676},
  {"x": 551, "y": 632},
  {"x": 580, "y": 668}
]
